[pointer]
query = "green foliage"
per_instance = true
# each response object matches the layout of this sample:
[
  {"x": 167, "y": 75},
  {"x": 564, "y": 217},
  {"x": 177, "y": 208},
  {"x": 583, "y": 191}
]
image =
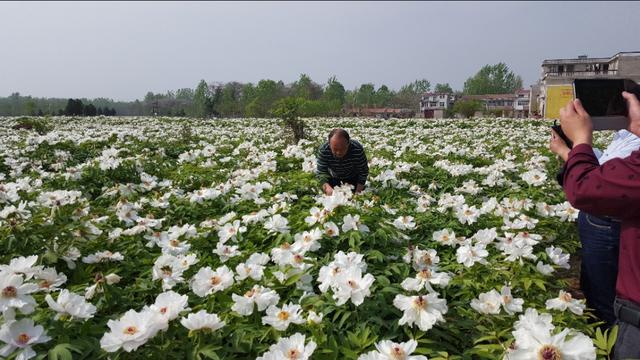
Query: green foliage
[
  {"x": 467, "y": 108},
  {"x": 443, "y": 89},
  {"x": 493, "y": 79},
  {"x": 40, "y": 125},
  {"x": 202, "y": 100},
  {"x": 289, "y": 109}
]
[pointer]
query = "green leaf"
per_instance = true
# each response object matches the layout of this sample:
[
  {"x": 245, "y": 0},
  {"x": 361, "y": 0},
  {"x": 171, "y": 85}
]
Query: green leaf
[
  {"x": 60, "y": 352},
  {"x": 611, "y": 339}
]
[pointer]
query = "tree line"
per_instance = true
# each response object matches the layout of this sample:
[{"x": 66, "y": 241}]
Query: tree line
[{"x": 235, "y": 99}]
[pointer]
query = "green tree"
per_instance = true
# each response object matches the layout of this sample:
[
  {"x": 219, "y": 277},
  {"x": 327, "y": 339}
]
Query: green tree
[
  {"x": 30, "y": 107},
  {"x": 89, "y": 110},
  {"x": 410, "y": 94},
  {"x": 383, "y": 96},
  {"x": 493, "y": 79},
  {"x": 467, "y": 108},
  {"x": 365, "y": 96},
  {"x": 264, "y": 96},
  {"x": 307, "y": 89},
  {"x": 202, "y": 100},
  {"x": 443, "y": 89},
  {"x": 334, "y": 91},
  {"x": 288, "y": 109},
  {"x": 74, "y": 107}
]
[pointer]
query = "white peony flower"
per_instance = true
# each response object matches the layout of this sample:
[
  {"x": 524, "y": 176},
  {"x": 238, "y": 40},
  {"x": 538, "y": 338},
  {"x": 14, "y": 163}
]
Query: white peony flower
[
  {"x": 170, "y": 304},
  {"x": 565, "y": 301},
  {"x": 558, "y": 257},
  {"x": 207, "y": 281},
  {"x": 132, "y": 330},
  {"x": 534, "y": 177},
  {"x": 21, "y": 335},
  {"x": 169, "y": 269},
  {"x": 404, "y": 223},
  {"x": 389, "y": 350},
  {"x": 280, "y": 318},
  {"x": 351, "y": 285},
  {"x": 331, "y": 229},
  {"x": 230, "y": 231},
  {"x": 72, "y": 305},
  {"x": 22, "y": 266},
  {"x": 261, "y": 296},
  {"x": 226, "y": 252},
  {"x": 277, "y": 224},
  {"x": 423, "y": 280},
  {"x": 352, "y": 222},
  {"x": 202, "y": 321},
  {"x": 290, "y": 348},
  {"x": 488, "y": 302},
  {"x": 468, "y": 254},
  {"x": 534, "y": 340},
  {"x": 421, "y": 310},
  {"x": 14, "y": 294}
]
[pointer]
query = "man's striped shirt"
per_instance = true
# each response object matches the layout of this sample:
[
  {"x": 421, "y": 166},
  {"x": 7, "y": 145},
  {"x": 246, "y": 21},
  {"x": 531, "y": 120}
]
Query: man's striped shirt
[{"x": 353, "y": 165}]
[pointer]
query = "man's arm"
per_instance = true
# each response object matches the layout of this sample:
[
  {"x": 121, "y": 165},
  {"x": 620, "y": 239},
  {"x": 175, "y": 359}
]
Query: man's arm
[
  {"x": 322, "y": 167},
  {"x": 363, "y": 169},
  {"x": 612, "y": 189}
]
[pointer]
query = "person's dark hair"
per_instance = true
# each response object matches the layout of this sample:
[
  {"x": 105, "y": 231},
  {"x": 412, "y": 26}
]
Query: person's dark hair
[{"x": 340, "y": 132}]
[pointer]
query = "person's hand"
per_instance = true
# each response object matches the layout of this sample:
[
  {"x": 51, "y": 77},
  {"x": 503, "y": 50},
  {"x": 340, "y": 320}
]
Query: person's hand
[
  {"x": 359, "y": 188},
  {"x": 558, "y": 146},
  {"x": 633, "y": 104},
  {"x": 328, "y": 190},
  {"x": 576, "y": 123}
]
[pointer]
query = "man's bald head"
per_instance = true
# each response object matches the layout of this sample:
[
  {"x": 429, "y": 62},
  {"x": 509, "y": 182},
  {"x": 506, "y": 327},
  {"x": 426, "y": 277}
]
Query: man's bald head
[{"x": 339, "y": 142}]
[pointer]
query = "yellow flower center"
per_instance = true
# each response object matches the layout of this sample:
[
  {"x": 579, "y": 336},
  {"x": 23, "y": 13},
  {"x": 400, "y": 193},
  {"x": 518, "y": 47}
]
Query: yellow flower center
[
  {"x": 549, "y": 352},
  {"x": 167, "y": 270},
  {"x": 566, "y": 297},
  {"x": 425, "y": 274},
  {"x": 216, "y": 280},
  {"x": 420, "y": 302},
  {"x": 283, "y": 315},
  {"x": 23, "y": 338},
  {"x": 130, "y": 330},
  {"x": 293, "y": 354},
  {"x": 9, "y": 292},
  {"x": 398, "y": 353}
]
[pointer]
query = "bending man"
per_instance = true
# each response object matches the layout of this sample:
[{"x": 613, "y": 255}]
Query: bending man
[{"x": 341, "y": 160}]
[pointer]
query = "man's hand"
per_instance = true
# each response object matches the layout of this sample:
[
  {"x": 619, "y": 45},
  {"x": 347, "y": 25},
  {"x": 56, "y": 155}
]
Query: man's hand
[
  {"x": 328, "y": 190},
  {"x": 633, "y": 104},
  {"x": 558, "y": 146},
  {"x": 359, "y": 188},
  {"x": 576, "y": 123}
]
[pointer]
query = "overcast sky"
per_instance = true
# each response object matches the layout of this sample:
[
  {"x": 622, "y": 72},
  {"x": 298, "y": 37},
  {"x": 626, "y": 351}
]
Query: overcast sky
[{"x": 122, "y": 50}]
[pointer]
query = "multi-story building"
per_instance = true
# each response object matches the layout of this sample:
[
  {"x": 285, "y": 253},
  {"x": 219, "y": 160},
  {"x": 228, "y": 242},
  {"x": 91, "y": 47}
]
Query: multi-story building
[
  {"x": 512, "y": 105},
  {"x": 556, "y": 81},
  {"x": 435, "y": 105},
  {"x": 521, "y": 105}
]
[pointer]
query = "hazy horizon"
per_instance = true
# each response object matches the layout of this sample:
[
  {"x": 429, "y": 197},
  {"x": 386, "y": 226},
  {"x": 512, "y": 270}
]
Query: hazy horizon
[{"x": 123, "y": 50}]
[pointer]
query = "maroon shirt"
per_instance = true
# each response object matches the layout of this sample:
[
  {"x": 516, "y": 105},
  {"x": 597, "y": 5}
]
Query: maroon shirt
[{"x": 612, "y": 189}]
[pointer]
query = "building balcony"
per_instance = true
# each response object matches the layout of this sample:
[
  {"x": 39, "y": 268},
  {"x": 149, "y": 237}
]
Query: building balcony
[{"x": 580, "y": 74}]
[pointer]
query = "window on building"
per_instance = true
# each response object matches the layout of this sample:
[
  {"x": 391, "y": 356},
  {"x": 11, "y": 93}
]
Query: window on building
[{"x": 441, "y": 103}]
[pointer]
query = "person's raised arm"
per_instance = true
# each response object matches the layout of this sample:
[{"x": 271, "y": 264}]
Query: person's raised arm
[{"x": 612, "y": 189}]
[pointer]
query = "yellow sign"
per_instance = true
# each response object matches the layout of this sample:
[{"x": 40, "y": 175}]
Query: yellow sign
[{"x": 557, "y": 97}]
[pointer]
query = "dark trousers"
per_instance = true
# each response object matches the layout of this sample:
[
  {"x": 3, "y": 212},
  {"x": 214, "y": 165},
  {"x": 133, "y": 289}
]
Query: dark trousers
[
  {"x": 600, "y": 239},
  {"x": 628, "y": 340}
]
